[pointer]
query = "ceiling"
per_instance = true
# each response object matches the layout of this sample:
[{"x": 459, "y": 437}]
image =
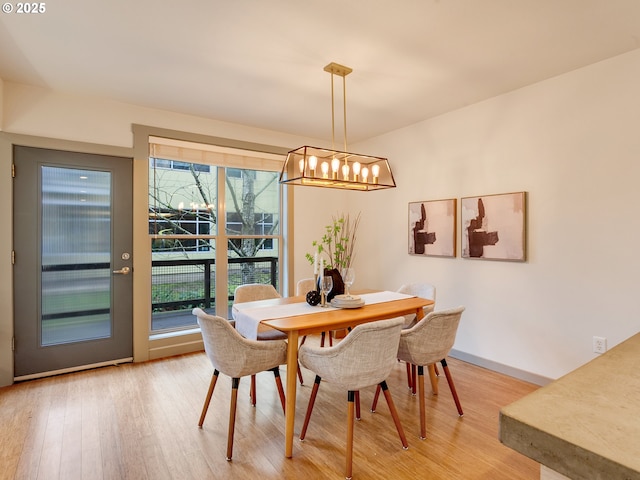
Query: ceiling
[{"x": 260, "y": 62}]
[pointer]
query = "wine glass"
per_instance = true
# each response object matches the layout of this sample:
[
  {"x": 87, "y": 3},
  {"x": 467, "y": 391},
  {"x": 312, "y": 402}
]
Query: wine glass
[
  {"x": 348, "y": 277},
  {"x": 326, "y": 285}
]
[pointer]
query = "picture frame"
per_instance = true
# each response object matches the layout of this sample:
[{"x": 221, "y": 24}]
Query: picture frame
[
  {"x": 493, "y": 227},
  {"x": 432, "y": 228}
]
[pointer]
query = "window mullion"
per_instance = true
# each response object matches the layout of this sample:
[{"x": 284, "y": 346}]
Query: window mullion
[{"x": 222, "y": 266}]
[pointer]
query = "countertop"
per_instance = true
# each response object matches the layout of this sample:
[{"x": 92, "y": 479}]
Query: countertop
[{"x": 586, "y": 424}]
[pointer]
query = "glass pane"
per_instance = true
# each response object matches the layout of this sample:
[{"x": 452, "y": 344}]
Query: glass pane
[
  {"x": 180, "y": 282},
  {"x": 263, "y": 267},
  {"x": 182, "y": 200},
  {"x": 253, "y": 205},
  {"x": 76, "y": 255}
]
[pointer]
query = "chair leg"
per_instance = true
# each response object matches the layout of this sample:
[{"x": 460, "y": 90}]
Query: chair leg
[
  {"x": 447, "y": 373},
  {"x": 374, "y": 404},
  {"x": 423, "y": 421},
  {"x": 312, "y": 400},
  {"x": 433, "y": 378},
  {"x": 322, "y": 335},
  {"x": 205, "y": 407},
  {"x": 300, "y": 377},
  {"x": 413, "y": 379},
  {"x": 276, "y": 374},
  {"x": 330, "y": 338},
  {"x": 350, "y": 425},
  {"x": 394, "y": 414},
  {"x": 409, "y": 376},
  {"x": 232, "y": 416},
  {"x": 252, "y": 391},
  {"x": 357, "y": 400}
]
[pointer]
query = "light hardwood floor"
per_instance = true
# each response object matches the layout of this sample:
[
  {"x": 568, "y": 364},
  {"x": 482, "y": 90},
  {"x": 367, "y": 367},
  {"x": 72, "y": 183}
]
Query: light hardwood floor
[{"x": 139, "y": 421}]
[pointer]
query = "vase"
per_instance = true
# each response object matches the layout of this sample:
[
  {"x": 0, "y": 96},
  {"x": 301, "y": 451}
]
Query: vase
[{"x": 338, "y": 284}]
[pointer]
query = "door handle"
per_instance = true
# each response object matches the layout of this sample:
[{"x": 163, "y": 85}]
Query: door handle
[{"x": 123, "y": 271}]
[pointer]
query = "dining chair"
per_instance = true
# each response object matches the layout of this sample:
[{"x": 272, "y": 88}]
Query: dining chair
[
  {"x": 365, "y": 357},
  {"x": 250, "y": 292},
  {"x": 303, "y": 287},
  {"x": 427, "y": 342},
  {"x": 235, "y": 356},
  {"x": 422, "y": 290}
]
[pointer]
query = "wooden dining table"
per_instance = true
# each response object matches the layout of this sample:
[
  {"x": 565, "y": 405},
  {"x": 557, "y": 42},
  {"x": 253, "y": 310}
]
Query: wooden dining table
[{"x": 331, "y": 319}]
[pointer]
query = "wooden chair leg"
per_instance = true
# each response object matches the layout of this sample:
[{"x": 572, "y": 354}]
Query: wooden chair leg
[
  {"x": 413, "y": 379},
  {"x": 276, "y": 374},
  {"x": 447, "y": 374},
  {"x": 350, "y": 425},
  {"x": 423, "y": 421},
  {"x": 312, "y": 400},
  {"x": 322, "y": 339},
  {"x": 205, "y": 407},
  {"x": 330, "y": 338},
  {"x": 357, "y": 400},
  {"x": 300, "y": 377},
  {"x": 394, "y": 414},
  {"x": 232, "y": 416},
  {"x": 252, "y": 391},
  {"x": 409, "y": 376},
  {"x": 374, "y": 404},
  {"x": 433, "y": 378}
]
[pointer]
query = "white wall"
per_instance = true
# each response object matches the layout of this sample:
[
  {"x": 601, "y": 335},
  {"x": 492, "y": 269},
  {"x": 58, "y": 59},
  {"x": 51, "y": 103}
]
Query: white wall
[{"x": 573, "y": 144}]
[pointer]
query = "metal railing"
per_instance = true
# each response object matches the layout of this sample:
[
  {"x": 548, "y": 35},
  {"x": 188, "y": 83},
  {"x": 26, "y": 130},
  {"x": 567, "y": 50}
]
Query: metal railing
[
  {"x": 181, "y": 284},
  {"x": 177, "y": 285}
]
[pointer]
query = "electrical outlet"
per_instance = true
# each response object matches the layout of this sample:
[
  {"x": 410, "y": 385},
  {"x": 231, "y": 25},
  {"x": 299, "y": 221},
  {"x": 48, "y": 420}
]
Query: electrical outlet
[{"x": 599, "y": 344}]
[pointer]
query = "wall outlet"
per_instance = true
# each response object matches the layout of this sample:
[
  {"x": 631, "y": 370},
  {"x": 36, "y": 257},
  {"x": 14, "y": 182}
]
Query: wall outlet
[{"x": 599, "y": 344}]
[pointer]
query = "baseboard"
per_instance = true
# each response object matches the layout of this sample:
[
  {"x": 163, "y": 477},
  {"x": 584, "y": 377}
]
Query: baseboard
[
  {"x": 501, "y": 368},
  {"x": 163, "y": 351}
]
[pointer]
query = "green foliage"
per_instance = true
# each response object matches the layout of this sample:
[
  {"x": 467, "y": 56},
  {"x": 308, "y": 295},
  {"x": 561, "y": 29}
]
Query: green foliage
[{"x": 337, "y": 243}]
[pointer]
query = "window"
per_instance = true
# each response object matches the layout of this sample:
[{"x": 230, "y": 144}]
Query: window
[{"x": 198, "y": 259}]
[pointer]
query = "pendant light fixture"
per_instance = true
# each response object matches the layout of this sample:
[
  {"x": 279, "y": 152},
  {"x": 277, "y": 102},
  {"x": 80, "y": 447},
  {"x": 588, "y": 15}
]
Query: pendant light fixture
[{"x": 330, "y": 168}]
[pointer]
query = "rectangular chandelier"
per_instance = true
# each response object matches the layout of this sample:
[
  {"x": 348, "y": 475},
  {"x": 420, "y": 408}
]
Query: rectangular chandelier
[{"x": 321, "y": 167}]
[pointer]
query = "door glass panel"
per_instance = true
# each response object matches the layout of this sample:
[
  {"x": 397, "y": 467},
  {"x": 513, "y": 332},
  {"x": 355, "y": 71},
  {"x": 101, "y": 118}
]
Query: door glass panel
[{"x": 76, "y": 246}]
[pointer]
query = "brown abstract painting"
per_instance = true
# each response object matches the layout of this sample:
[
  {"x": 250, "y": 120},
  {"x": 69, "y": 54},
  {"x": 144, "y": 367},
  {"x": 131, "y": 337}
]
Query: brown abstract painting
[
  {"x": 493, "y": 226},
  {"x": 432, "y": 228}
]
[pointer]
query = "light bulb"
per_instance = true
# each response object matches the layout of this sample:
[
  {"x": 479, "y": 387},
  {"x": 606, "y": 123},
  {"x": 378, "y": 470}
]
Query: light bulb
[
  {"x": 301, "y": 165},
  {"x": 345, "y": 172},
  {"x": 365, "y": 174},
  {"x": 313, "y": 161},
  {"x": 375, "y": 171},
  {"x": 356, "y": 171},
  {"x": 335, "y": 165},
  {"x": 325, "y": 169}
]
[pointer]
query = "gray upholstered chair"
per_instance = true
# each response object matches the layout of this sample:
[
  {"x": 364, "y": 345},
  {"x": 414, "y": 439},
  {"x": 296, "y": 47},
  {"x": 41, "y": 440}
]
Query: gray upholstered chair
[
  {"x": 427, "y": 342},
  {"x": 364, "y": 358},
  {"x": 233, "y": 355},
  {"x": 251, "y": 292},
  {"x": 305, "y": 285},
  {"x": 422, "y": 290}
]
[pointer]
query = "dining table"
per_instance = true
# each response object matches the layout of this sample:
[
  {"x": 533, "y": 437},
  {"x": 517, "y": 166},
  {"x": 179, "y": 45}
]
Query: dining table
[{"x": 293, "y": 316}]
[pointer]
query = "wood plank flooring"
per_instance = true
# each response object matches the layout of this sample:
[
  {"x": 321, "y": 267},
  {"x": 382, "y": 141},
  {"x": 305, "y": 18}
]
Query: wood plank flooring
[{"x": 139, "y": 421}]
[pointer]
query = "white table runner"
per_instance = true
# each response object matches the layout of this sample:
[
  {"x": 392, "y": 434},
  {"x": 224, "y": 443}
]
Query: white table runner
[{"x": 248, "y": 317}]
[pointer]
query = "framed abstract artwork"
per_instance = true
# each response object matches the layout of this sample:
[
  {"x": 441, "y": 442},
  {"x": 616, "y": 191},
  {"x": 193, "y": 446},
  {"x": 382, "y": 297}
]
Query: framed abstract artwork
[
  {"x": 432, "y": 228},
  {"x": 493, "y": 227}
]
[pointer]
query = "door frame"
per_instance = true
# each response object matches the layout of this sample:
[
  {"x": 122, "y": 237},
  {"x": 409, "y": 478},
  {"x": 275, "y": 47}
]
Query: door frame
[{"x": 7, "y": 141}]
